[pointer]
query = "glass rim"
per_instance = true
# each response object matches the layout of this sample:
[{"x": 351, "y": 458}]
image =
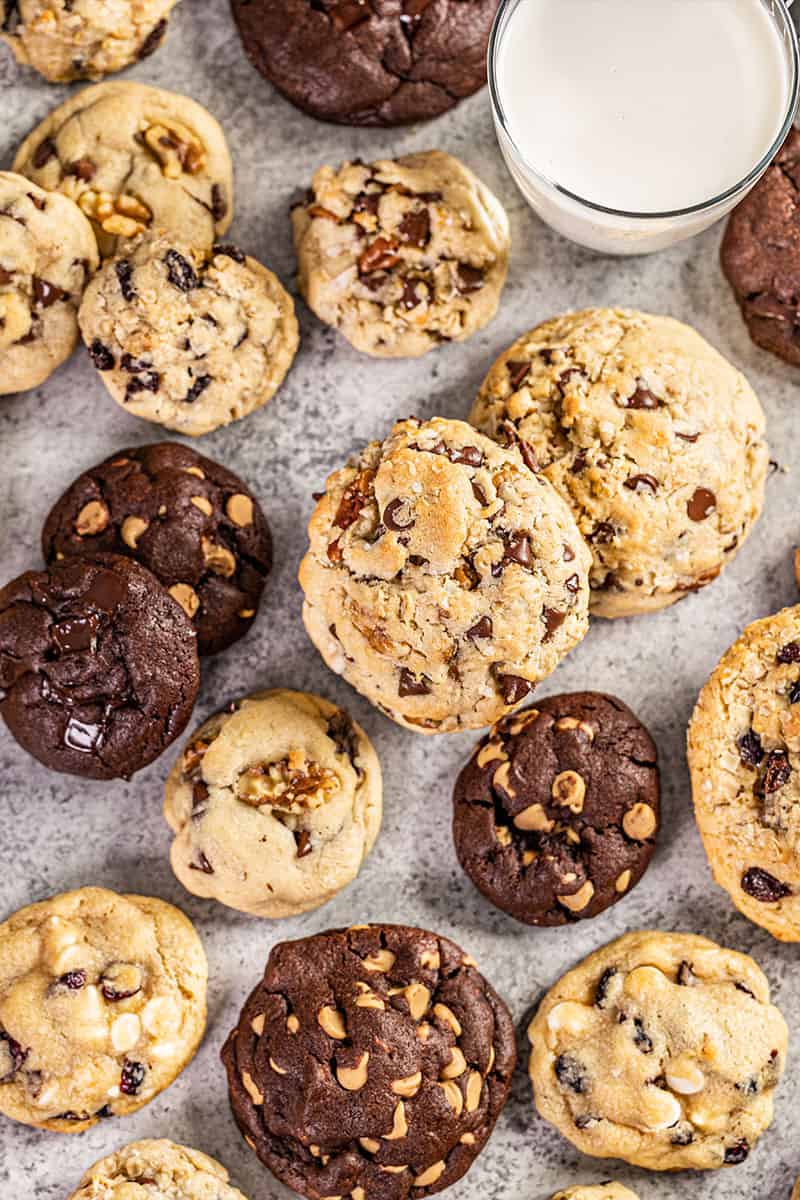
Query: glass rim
[{"x": 506, "y": 6}]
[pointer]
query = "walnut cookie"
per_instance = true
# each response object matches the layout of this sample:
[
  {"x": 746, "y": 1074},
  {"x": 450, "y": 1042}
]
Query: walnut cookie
[
  {"x": 443, "y": 579},
  {"x": 652, "y": 437},
  {"x": 102, "y": 1005},
  {"x": 175, "y": 1172},
  {"x": 661, "y": 1049},
  {"x": 744, "y": 757},
  {"x": 403, "y": 255},
  {"x": 48, "y": 252},
  {"x": 134, "y": 158},
  {"x": 275, "y": 804}
]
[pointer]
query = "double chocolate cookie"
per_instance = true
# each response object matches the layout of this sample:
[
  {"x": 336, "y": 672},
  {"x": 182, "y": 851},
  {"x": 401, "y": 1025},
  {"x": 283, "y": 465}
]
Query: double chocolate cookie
[
  {"x": 370, "y": 1062},
  {"x": 557, "y": 811},
  {"x": 194, "y": 524}
]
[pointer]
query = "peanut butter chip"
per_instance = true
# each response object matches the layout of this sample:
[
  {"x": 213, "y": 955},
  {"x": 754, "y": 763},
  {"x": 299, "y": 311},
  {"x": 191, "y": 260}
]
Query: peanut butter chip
[
  {"x": 534, "y": 818},
  {"x": 332, "y": 1021},
  {"x": 418, "y": 998},
  {"x": 187, "y": 598},
  {"x": 430, "y": 959},
  {"x": 457, "y": 1065},
  {"x": 453, "y": 1095},
  {"x": 252, "y": 1091},
  {"x": 430, "y": 1176},
  {"x": 381, "y": 960},
  {"x": 408, "y": 1086},
  {"x": 578, "y": 901},
  {"x": 93, "y": 518},
  {"x": 292, "y": 1023},
  {"x": 474, "y": 1090},
  {"x": 240, "y": 510},
  {"x": 623, "y": 882},
  {"x": 569, "y": 790},
  {"x": 370, "y": 1145},
  {"x": 489, "y": 753},
  {"x": 639, "y": 822},
  {"x": 449, "y": 1017},
  {"x": 352, "y": 1079},
  {"x": 257, "y": 1025},
  {"x": 196, "y": 471},
  {"x": 399, "y": 1124},
  {"x": 503, "y": 834},
  {"x": 203, "y": 504},
  {"x": 501, "y": 779},
  {"x": 132, "y": 529},
  {"x": 218, "y": 558}
]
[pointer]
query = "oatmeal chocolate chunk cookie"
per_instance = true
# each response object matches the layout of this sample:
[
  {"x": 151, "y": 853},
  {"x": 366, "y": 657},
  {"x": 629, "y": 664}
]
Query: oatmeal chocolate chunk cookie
[
  {"x": 400, "y": 256},
  {"x": 444, "y": 579},
  {"x": 186, "y": 339},
  {"x": 47, "y": 254},
  {"x": 652, "y": 437},
  {"x": 599, "y": 1191},
  {"x": 193, "y": 523},
  {"x": 98, "y": 666},
  {"x": 661, "y": 1049},
  {"x": 83, "y": 39},
  {"x": 744, "y": 756},
  {"x": 135, "y": 157},
  {"x": 275, "y": 804},
  {"x": 369, "y": 62},
  {"x": 102, "y": 1005},
  {"x": 555, "y": 816},
  {"x": 373, "y": 1060},
  {"x": 156, "y": 1170}
]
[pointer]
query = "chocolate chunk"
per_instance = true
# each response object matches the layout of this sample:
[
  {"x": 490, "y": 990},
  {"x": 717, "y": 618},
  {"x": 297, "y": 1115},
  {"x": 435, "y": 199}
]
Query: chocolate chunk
[
  {"x": 46, "y": 294},
  {"x": 153, "y": 40},
  {"x": 518, "y": 372},
  {"x": 411, "y": 685},
  {"x": 764, "y": 887},
  {"x": 202, "y": 864},
  {"x": 147, "y": 381},
  {"x": 43, "y": 153},
  {"x": 468, "y": 456},
  {"x": 642, "y": 483},
  {"x": 481, "y": 629},
  {"x": 219, "y": 205},
  {"x": 553, "y": 618},
  {"x": 701, "y": 505},
  {"x": 513, "y": 688},
  {"x": 303, "y": 842},
  {"x": 734, "y": 1155},
  {"x": 415, "y": 228},
  {"x": 518, "y": 549},
  {"x": 601, "y": 994},
  {"x": 470, "y": 279},
  {"x": 642, "y": 398}
]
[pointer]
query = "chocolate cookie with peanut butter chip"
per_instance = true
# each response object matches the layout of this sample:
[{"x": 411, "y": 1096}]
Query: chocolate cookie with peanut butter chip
[
  {"x": 190, "y": 521},
  {"x": 555, "y": 816},
  {"x": 371, "y": 1061}
]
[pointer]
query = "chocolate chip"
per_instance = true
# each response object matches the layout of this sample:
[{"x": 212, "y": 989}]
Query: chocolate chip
[
  {"x": 776, "y": 771},
  {"x": 735, "y": 1155},
  {"x": 642, "y": 483},
  {"x": 43, "y": 153},
  {"x": 132, "y": 1078},
  {"x": 468, "y": 456},
  {"x": 553, "y": 618},
  {"x": 410, "y": 297},
  {"x": 688, "y": 437},
  {"x": 198, "y": 387},
  {"x": 701, "y": 505},
  {"x": 518, "y": 550},
  {"x": 642, "y": 398},
  {"x": 686, "y": 976},
  {"x": 180, "y": 273},
  {"x": 368, "y": 202},
  {"x": 573, "y": 584},
  {"x": 602, "y": 534},
  {"x": 228, "y": 251},
  {"x": 124, "y": 273},
  {"x": 790, "y": 653},
  {"x": 470, "y": 279},
  {"x": 513, "y": 688},
  {"x": 415, "y": 228},
  {"x": 101, "y": 356},
  {"x": 149, "y": 381},
  {"x": 219, "y": 205},
  {"x": 411, "y": 685},
  {"x": 481, "y": 629},
  {"x": 37, "y": 202},
  {"x": 199, "y": 798},
  {"x": 302, "y": 840},
  {"x": 764, "y": 887},
  {"x": 82, "y": 168},
  {"x": 479, "y": 494},
  {"x": 571, "y": 1074},
  {"x": 397, "y": 517},
  {"x": 751, "y": 752},
  {"x": 153, "y": 40},
  {"x": 202, "y": 864},
  {"x": 134, "y": 365},
  {"x": 517, "y": 373},
  {"x": 46, "y": 294},
  {"x": 342, "y": 732}
]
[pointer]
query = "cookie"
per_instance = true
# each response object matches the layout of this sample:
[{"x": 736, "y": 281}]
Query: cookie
[
  {"x": 48, "y": 252},
  {"x": 556, "y": 813},
  {"x": 401, "y": 256},
  {"x": 274, "y": 804},
  {"x": 661, "y": 1049},
  {"x": 369, "y": 62},
  {"x": 83, "y": 39},
  {"x": 651, "y": 436},
  {"x": 194, "y": 524},
  {"x": 98, "y": 666},
  {"x": 135, "y": 158},
  {"x": 443, "y": 579},
  {"x": 600, "y": 1191},
  {"x": 372, "y": 1060},
  {"x": 761, "y": 255},
  {"x": 156, "y": 1170},
  {"x": 188, "y": 339},
  {"x": 744, "y": 757},
  {"x": 102, "y": 1005}
]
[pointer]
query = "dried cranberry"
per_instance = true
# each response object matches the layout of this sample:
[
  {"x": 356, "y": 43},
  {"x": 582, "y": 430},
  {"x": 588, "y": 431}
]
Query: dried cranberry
[
  {"x": 228, "y": 251},
  {"x": 43, "y": 153},
  {"x": 571, "y": 1074},
  {"x": 776, "y": 771},
  {"x": 17, "y": 1054},
  {"x": 74, "y": 980},
  {"x": 180, "y": 272},
  {"x": 132, "y": 1078},
  {"x": 601, "y": 994},
  {"x": 764, "y": 887},
  {"x": 198, "y": 387},
  {"x": 147, "y": 381},
  {"x": 124, "y": 272},
  {"x": 790, "y": 653},
  {"x": 751, "y": 752},
  {"x": 735, "y": 1155},
  {"x": 101, "y": 356},
  {"x": 219, "y": 205}
]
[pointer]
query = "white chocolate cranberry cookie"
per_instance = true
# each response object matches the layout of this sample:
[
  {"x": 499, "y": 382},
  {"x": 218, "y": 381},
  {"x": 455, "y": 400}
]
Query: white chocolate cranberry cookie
[
  {"x": 275, "y": 804},
  {"x": 652, "y": 437},
  {"x": 156, "y": 1170},
  {"x": 403, "y": 255},
  {"x": 102, "y": 1005},
  {"x": 598, "y": 1191},
  {"x": 661, "y": 1049},
  {"x": 443, "y": 579},
  {"x": 744, "y": 757}
]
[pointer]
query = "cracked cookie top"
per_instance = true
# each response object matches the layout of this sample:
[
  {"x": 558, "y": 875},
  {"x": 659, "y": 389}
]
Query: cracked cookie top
[
  {"x": 444, "y": 579},
  {"x": 372, "y": 1060},
  {"x": 652, "y": 437},
  {"x": 156, "y": 1170}
]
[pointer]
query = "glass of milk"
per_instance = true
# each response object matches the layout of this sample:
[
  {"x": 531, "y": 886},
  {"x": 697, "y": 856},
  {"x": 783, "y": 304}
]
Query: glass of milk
[{"x": 629, "y": 125}]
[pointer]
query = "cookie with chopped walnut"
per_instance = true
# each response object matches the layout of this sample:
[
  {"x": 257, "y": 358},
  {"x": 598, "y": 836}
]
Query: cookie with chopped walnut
[
  {"x": 135, "y": 158},
  {"x": 156, "y": 1169},
  {"x": 653, "y": 438},
  {"x": 443, "y": 579},
  {"x": 401, "y": 255},
  {"x": 661, "y": 1049},
  {"x": 744, "y": 757},
  {"x": 190, "y": 521},
  {"x": 555, "y": 815},
  {"x": 274, "y": 803},
  {"x": 371, "y": 1061}
]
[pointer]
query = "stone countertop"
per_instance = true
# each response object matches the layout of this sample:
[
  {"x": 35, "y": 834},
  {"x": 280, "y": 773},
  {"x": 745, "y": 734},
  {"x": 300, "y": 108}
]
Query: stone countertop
[{"x": 58, "y": 833}]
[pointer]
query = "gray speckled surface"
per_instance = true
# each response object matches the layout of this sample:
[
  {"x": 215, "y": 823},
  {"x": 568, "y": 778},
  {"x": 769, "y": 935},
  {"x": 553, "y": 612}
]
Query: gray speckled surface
[{"x": 59, "y": 833}]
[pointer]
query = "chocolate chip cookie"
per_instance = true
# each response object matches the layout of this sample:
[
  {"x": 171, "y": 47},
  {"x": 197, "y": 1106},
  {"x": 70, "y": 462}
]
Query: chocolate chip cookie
[
  {"x": 444, "y": 579},
  {"x": 761, "y": 255},
  {"x": 555, "y": 816},
  {"x": 194, "y": 524},
  {"x": 135, "y": 158},
  {"x": 661, "y": 1049},
  {"x": 401, "y": 256},
  {"x": 47, "y": 255},
  {"x": 600, "y": 1191},
  {"x": 188, "y": 339},
  {"x": 653, "y": 438},
  {"x": 744, "y": 757},
  {"x": 275, "y": 804},
  {"x": 102, "y": 1005},
  {"x": 369, "y": 62},
  {"x": 373, "y": 1060},
  {"x": 175, "y": 1172},
  {"x": 98, "y": 666}
]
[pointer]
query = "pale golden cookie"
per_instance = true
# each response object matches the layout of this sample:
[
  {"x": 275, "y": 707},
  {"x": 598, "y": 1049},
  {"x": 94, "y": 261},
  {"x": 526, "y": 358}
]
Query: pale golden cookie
[
  {"x": 156, "y": 1170},
  {"x": 598, "y": 1191}
]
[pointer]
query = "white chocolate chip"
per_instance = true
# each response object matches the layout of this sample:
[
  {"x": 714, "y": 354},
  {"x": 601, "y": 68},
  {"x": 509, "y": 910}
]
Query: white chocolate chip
[{"x": 125, "y": 1032}]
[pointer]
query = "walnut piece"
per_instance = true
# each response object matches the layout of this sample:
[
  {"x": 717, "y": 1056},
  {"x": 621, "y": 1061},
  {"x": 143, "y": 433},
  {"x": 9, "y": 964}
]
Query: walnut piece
[{"x": 293, "y": 785}]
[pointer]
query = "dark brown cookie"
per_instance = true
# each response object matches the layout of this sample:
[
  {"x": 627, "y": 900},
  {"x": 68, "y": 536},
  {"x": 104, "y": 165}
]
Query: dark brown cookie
[
  {"x": 370, "y": 1062},
  {"x": 191, "y": 522},
  {"x": 369, "y": 62},
  {"x": 761, "y": 255},
  {"x": 98, "y": 666},
  {"x": 556, "y": 813}
]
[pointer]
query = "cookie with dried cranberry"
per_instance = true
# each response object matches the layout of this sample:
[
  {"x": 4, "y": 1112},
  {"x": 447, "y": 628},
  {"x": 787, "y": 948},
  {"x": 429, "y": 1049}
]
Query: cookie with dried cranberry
[
  {"x": 555, "y": 815},
  {"x": 98, "y": 666},
  {"x": 744, "y": 757},
  {"x": 373, "y": 1060},
  {"x": 190, "y": 521},
  {"x": 102, "y": 1005}
]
